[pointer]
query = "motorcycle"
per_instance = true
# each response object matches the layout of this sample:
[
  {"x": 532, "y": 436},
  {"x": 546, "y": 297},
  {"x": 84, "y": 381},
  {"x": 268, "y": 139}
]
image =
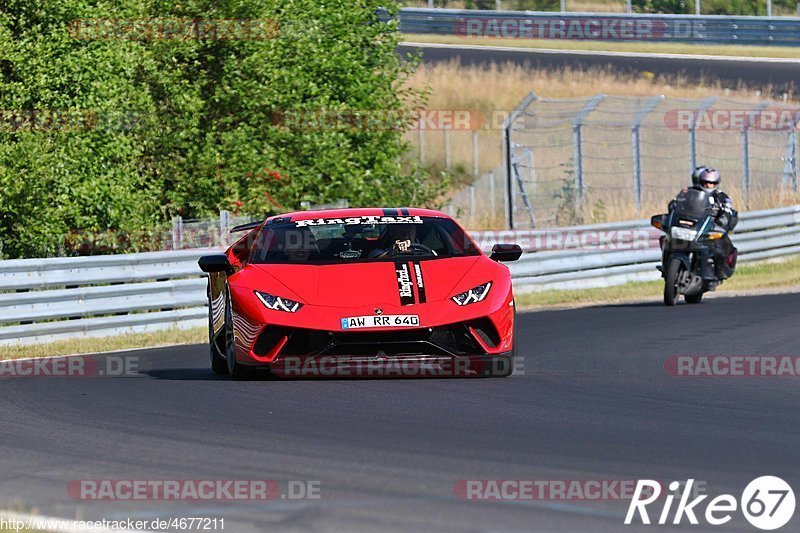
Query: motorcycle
[{"x": 687, "y": 263}]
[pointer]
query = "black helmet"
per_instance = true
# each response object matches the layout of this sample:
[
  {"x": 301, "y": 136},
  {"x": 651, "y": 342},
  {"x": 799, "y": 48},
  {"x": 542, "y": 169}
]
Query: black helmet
[
  {"x": 696, "y": 174},
  {"x": 711, "y": 177}
]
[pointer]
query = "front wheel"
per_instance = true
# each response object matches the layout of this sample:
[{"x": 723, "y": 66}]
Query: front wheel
[
  {"x": 694, "y": 298},
  {"x": 671, "y": 277},
  {"x": 235, "y": 369}
]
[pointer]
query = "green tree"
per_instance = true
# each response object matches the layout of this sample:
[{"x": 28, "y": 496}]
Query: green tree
[{"x": 189, "y": 126}]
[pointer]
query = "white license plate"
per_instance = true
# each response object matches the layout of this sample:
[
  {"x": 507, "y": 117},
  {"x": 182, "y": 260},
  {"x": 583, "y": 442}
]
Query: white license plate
[{"x": 380, "y": 321}]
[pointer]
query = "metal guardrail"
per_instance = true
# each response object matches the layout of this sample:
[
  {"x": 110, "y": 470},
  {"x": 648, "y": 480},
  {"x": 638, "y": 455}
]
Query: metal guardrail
[
  {"x": 716, "y": 29},
  {"x": 634, "y": 254},
  {"x": 43, "y": 300}
]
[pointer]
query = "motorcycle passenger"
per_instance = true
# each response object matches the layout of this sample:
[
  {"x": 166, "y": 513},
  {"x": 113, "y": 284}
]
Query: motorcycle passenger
[{"x": 722, "y": 250}]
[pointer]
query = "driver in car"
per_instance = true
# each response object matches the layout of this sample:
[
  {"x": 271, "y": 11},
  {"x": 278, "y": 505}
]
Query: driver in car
[{"x": 397, "y": 239}]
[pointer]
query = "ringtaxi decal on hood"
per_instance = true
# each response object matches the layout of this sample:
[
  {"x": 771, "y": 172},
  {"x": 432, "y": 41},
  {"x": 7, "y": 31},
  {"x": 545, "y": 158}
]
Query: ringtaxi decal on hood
[{"x": 370, "y": 219}]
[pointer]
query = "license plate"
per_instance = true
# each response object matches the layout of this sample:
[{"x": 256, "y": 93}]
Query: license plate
[{"x": 380, "y": 321}]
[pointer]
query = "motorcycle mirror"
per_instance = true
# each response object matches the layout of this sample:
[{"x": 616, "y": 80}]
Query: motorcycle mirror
[{"x": 658, "y": 221}]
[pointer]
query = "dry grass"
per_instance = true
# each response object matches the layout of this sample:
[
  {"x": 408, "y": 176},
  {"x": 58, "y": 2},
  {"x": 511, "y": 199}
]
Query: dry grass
[
  {"x": 786, "y": 52},
  {"x": 106, "y": 344}
]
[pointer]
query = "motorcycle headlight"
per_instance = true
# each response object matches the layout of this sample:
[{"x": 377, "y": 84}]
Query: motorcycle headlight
[
  {"x": 276, "y": 303},
  {"x": 684, "y": 234},
  {"x": 473, "y": 295}
]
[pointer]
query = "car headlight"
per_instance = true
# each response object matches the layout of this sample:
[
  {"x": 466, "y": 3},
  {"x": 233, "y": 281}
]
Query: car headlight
[
  {"x": 473, "y": 295},
  {"x": 276, "y": 303},
  {"x": 684, "y": 234}
]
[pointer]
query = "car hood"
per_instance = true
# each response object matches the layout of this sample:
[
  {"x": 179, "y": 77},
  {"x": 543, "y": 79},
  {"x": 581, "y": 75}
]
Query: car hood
[{"x": 360, "y": 284}]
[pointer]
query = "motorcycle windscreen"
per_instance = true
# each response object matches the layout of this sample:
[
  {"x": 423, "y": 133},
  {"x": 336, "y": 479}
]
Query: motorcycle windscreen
[{"x": 692, "y": 203}]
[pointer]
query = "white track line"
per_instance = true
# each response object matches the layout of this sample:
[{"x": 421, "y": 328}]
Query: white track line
[{"x": 593, "y": 53}]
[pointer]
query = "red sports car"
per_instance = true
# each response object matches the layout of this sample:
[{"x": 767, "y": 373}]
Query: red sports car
[{"x": 361, "y": 292}]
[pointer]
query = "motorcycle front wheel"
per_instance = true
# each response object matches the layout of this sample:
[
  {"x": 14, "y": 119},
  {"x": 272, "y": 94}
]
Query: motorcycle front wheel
[{"x": 671, "y": 276}]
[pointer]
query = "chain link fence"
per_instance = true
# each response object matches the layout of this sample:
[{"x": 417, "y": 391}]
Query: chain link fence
[{"x": 607, "y": 158}]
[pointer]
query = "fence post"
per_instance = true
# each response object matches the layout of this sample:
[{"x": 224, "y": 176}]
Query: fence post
[
  {"x": 471, "y": 204},
  {"x": 563, "y": 6},
  {"x": 637, "y": 149},
  {"x": 790, "y": 166},
  {"x": 447, "y": 148},
  {"x": 696, "y": 7},
  {"x": 508, "y": 164},
  {"x": 475, "y": 166},
  {"x": 177, "y": 232},
  {"x": 577, "y": 144},
  {"x": 492, "y": 195},
  {"x": 421, "y": 145},
  {"x": 745, "y": 165},
  {"x": 498, "y": 4},
  {"x": 224, "y": 227},
  {"x": 628, "y": 7},
  {"x": 796, "y": 145},
  {"x": 708, "y": 102}
]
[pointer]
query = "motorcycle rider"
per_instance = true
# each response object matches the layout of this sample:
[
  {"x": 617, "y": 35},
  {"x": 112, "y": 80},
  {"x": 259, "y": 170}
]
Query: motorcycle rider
[{"x": 722, "y": 250}]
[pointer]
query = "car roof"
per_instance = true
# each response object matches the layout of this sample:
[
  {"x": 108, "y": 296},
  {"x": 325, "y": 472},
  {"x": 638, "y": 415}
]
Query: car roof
[{"x": 361, "y": 212}]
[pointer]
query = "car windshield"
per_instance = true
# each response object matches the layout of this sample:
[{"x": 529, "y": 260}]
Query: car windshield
[{"x": 359, "y": 239}]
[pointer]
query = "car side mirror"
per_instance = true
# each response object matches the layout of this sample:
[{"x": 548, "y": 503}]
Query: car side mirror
[
  {"x": 505, "y": 252},
  {"x": 214, "y": 263}
]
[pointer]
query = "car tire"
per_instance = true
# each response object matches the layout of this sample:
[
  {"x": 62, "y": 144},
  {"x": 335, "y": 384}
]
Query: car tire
[
  {"x": 235, "y": 369},
  {"x": 502, "y": 367},
  {"x": 218, "y": 363}
]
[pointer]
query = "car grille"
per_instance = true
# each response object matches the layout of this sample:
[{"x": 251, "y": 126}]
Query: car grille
[{"x": 453, "y": 339}]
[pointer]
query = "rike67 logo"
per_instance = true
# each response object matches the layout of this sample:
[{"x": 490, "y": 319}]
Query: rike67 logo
[{"x": 767, "y": 503}]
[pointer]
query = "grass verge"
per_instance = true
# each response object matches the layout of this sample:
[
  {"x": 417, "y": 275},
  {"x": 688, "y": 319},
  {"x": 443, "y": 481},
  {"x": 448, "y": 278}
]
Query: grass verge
[
  {"x": 766, "y": 275},
  {"x": 106, "y": 344},
  {"x": 778, "y": 52}
]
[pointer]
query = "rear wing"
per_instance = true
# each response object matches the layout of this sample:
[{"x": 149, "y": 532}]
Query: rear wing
[{"x": 246, "y": 227}]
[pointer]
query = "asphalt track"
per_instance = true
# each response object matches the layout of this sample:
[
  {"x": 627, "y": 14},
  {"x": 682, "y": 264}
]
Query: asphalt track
[
  {"x": 594, "y": 403},
  {"x": 781, "y": 75}
]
